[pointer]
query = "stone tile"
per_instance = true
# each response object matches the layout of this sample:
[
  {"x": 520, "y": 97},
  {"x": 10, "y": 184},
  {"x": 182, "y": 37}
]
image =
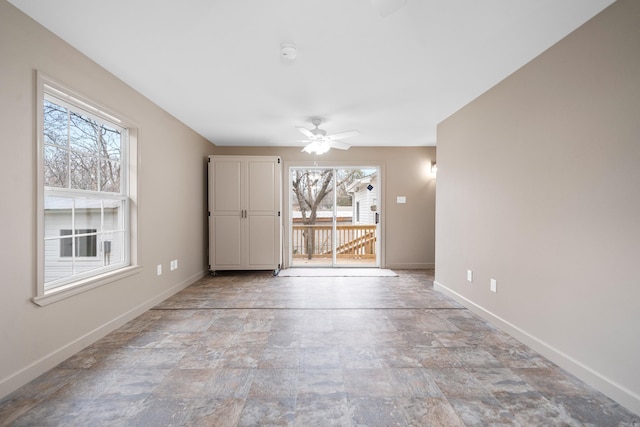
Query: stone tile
[
  {"x": 247, "y": 348},
  {"x": 214, "y": 412},
  {"x": 518, "y": 356},
  {"x": 500, "y": 380},
  {"x": 268, "y": 412},
  {"x": 359, "y": 358},
  {"x": 284, "y": 339},
  {"x": 533, "y": 409},
  {"x": 377, "y": 412},
  {"x": 368, "y": 383},
  {"x": 431, "y": 411},
  {"x": 160, "y": 358},
  {"x": 15, "y": 406},
  {"x": 130, "y": 383},
  {"x": 483, "y": 411},
  {"x": 185, "y": 383},
  {"x": 241, "y": 357},
  {"x": 593, "y": 410},
  {"x": 457, "y": 382},
  {"x": 461, "y": 339},
  {"x": 320, "y": 382},
  {"x": 552, "y": 382},
  {"x": 399, "y": 357},
  {"x": 201, "y": 360},
  {"x": 475, "y": 358},
  {"x": 161, "y": 412},
  {"x": 229, "y": 383},
  {"x": 250, "y": 339},
  {"x": 280, "y": 358},
  {"x": 86, "y": 385},
  {"x": 418, "y": 339},
  {"x": 413, "y": 383},
  {"x": 52, "y": 412},
  {"x": 271, "y": 383},
  {"x": 322, "y": 412},
  {"x": 438, "y": 357},
  {"x": 320, "y": 358}
]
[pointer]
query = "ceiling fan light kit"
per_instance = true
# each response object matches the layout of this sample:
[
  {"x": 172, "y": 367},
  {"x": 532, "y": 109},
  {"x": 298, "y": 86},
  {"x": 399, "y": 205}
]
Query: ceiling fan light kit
[
  {"x": 320, "y": 142},
  {"x": 317, "y": 147}
]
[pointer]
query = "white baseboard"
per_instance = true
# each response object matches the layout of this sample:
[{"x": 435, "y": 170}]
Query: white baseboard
[
  {"x": 51, "y": 360},
  {"x": 615, "y": 391}
]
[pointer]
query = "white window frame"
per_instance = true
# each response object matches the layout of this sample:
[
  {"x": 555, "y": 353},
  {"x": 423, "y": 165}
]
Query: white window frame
[{"x": 83, "y": 282}]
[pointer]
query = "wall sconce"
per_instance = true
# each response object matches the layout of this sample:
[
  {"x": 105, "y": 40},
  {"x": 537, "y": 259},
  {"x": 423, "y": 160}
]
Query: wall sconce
[{"x": 434, "y": 167}]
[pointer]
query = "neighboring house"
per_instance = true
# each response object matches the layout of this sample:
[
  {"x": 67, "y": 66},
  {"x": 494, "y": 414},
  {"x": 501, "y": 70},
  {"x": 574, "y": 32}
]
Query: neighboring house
[
  {"x": 364, "y": 201},
  {"x": 97, "y": 243}
]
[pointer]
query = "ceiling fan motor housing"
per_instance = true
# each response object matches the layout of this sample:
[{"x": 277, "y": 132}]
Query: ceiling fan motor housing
[{"x": 319, "y": 132}]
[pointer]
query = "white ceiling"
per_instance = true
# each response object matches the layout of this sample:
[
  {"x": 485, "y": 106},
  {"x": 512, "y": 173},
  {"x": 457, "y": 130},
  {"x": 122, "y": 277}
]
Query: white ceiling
[{"x": 216, "y": 64}]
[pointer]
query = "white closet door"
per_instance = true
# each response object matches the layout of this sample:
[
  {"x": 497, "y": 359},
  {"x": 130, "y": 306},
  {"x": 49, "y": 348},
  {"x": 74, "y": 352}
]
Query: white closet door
[{"x": 244, "y": 204}]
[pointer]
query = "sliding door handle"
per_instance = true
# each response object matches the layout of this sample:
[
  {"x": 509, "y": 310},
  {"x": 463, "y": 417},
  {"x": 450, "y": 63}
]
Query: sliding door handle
[{"x": 377, "y": 218}]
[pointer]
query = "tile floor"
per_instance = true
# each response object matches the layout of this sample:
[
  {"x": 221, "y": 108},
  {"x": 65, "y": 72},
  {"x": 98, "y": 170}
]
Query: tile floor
[{"x": 249, "y": 349}]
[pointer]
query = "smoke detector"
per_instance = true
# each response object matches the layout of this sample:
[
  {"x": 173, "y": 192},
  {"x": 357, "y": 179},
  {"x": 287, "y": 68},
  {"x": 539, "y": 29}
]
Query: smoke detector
[{"x": 289, "y": 51}]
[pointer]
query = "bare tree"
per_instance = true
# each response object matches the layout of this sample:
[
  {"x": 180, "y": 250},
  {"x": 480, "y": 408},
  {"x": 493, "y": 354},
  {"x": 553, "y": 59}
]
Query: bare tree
[
  {"x": 311, "y": 187},
  {"x": 79, "y": 152}
]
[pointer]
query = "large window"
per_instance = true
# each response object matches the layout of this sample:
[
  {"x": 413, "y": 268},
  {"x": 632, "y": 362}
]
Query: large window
[{"x": 84, "y": 192}]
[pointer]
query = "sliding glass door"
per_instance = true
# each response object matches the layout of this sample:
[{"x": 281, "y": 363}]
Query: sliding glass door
[{"x": 334, "y": 217}]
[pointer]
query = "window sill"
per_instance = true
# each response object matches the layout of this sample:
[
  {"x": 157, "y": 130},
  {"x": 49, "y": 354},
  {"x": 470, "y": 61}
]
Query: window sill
[{"x": 85, "y": 285}]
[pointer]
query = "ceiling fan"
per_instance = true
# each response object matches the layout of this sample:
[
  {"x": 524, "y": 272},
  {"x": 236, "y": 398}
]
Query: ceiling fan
[{"x": 319, "y": 142}]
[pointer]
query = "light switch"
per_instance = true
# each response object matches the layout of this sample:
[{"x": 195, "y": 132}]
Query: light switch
[{"x": 401, "y": 199}]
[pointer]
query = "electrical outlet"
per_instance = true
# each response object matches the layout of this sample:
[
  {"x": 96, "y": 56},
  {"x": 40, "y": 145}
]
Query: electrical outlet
[
  {"x": 173, "y": 264},
  {"x": 494, "y": 285},
  {"x": 159, "y": 269},
  {"x": 469, "y": 276}
]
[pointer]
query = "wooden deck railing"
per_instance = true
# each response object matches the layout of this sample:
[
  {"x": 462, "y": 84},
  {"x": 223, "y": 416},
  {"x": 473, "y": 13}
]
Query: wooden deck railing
[{"x": 352, "y": 241}]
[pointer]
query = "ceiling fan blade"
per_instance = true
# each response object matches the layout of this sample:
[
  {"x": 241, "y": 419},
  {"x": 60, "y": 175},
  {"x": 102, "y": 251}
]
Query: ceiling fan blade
[
  {"x": 340, "y": 145},
  {"x": 306, "y": 132},
  {"x": 343, "y": 135}
]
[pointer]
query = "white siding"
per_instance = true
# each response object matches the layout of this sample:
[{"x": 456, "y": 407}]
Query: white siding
[{"x": 56, "y": 266}]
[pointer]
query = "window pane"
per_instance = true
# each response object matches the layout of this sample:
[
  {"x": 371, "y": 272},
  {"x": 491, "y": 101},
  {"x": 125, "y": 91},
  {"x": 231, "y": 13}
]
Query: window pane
[
  {"x": 83, "y": 265},
  {"x": 113, "y": 248},
  {"x": 86, "y": 245},
  {"x": 113, "y": 215},
  {"x": 84, "y": 233},
  {"x": 110, "y": 148},
  {"x": 57, "y": 216},
  {"x": 56, "y": 167},
  {"x": 66, "y": 243},
  {"x": 56, "y": 265},
  {"x": 110, "y": 176},
  {"x": 83, "y": 134},
  {"x": 88, "y": 215},
  {"x": 55, "y": 124},
  {"x": 84, "y": 172}
]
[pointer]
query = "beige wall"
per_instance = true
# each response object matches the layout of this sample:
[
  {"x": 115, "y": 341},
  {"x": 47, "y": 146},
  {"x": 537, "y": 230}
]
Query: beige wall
[
  {"x": 171, "y": 209},
  {"x": 172, "y": 205},
  {"x": 539, "y": 188},
  {"x": 408, "y": 229}
]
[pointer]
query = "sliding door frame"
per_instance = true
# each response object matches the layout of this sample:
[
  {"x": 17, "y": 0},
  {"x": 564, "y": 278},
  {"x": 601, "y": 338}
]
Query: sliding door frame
[{"x": 288, "y": 188}]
